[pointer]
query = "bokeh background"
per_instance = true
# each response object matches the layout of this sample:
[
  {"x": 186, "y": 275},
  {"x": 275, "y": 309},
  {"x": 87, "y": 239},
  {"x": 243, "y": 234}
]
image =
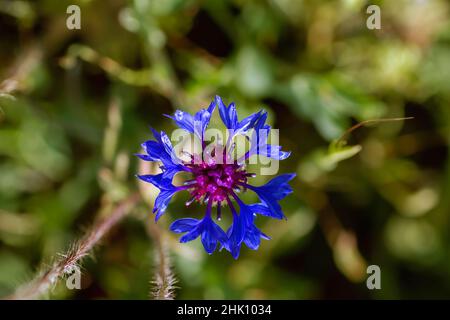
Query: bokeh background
[{"x": 76, "y": 104}]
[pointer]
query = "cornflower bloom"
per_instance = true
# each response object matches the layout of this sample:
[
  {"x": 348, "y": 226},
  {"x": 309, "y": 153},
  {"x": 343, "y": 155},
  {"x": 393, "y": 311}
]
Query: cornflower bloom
[{"x": 217, "y": 178}]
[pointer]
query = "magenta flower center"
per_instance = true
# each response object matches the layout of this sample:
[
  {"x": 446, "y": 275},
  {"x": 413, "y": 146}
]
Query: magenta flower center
[{"x": 215, "y": 181}]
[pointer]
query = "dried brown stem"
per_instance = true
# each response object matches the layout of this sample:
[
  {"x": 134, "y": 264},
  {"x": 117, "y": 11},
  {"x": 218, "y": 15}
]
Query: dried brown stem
[{"x": 47, "y": 279}]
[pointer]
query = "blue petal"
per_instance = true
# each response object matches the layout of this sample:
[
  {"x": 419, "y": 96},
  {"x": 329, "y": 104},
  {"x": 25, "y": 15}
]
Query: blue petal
[
  {"x": 273, "y": 191},
  {"x": 253, "y": 235},
  {"x": 249, "y": 122},
  {"x": 162, "y": 201},
  {"x": 167, "y": 190},
  {"x": 252, "y": 238},
  {"x": 225, "y": 113},
  {"x": 196, "y": 124},
  {"x": 169, "y": 158},
  {"x": 183, "y": 225},
  {"x": 235, "y": 251},
  {"x": 156, "y": 134},
  {"x": 236, "y": 234},
  {"x": 217, "y": 231},
  {"x": 238, "y": 230},
  {"x": 273, "y": 152},
  {"x": 166, "y": 143},
  {"x": 171, "y": 171},
  {"x": 158, "y": 180},
  {"x": 261, "y": 121},
  {"x": 230, "y": 118},
  {"x": 265, "y": 236},
  {"x": 273, "y": 207},
  {"x": 259, "y": 141},
  {"x": 162, "y": 150},
  {"x": 209, "y": 241},
  {"x": 212, "y": 234},
  {"x": 154, "y": 149},
  {"x": 201, "y": 122},
  {"x": 209, "y": 231},
  {"x": 144, "y": 157},
  {"x": 192, "y": 235},
  {"x": 184, "y": 120},
  {"x": 212, "y": 107},
  {"x": 279, "y": 186},
  {"x": 243, "y": 229},
  {"x": 232, "y": 115},
  {"x": 263, "y": 210}
]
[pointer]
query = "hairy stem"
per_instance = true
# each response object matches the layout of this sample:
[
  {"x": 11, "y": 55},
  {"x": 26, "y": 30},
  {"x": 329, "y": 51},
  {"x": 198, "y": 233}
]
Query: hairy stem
[
  {"x": 163, "y": 280},
  {"x": 45, "y": 280}
]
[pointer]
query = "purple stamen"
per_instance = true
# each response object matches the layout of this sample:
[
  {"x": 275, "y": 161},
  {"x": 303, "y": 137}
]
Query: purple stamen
[
  {"x": 217, "y": 180},
  {"x": 189, "y": 202},
  {"x": 219, "y": 212}
]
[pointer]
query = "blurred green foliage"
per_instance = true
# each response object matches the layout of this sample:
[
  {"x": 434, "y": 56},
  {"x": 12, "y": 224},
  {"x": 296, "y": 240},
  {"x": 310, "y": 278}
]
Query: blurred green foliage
[{"x": 76, "y": 104}]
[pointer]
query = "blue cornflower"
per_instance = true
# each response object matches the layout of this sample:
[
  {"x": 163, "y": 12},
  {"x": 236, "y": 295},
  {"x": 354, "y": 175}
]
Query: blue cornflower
[{"x": 216, "y": 182}]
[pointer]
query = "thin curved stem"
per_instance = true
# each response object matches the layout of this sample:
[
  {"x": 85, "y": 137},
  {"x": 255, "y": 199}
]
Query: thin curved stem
[
  {"x": 366, "y": 122},
  {"x": 44, "y": 281}
]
